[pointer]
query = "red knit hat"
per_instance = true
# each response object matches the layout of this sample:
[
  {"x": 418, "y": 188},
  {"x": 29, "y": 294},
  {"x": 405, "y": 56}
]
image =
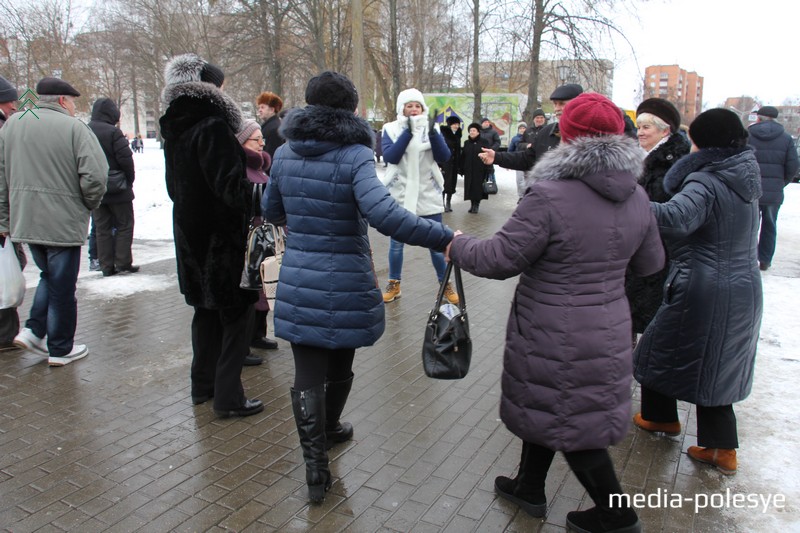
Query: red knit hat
[{"x": 590, "y": 114}]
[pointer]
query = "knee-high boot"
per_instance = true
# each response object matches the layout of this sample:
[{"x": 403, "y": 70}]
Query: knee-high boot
[
  {"x": 527, "y": 489},
  {"x": 447, "y": 198},
  {"x": 608, "y": 516},
  {"x": 309, "y": 415},
  {"x": 336, "y": 394}
]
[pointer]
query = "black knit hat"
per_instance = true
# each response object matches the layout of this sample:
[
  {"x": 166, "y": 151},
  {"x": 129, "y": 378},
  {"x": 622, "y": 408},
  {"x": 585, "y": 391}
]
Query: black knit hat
[
  {"x": 212, "y": 74},
  {"x": 8, "y": 93},
  {"x": 718, "y": 128},
  {"x": 474, "y": 125},
  {"x": 664, "y": 110},
  {"x": 55, "y": 86},
  {"x": 539, "y": 113},
  {"x": 453, "y": 119},
  {"x": 332, "y": 89}
]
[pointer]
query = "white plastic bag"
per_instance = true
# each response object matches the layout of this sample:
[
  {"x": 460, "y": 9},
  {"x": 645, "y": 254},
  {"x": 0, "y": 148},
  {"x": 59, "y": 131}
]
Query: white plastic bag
[{"x": 12, "y": 282}]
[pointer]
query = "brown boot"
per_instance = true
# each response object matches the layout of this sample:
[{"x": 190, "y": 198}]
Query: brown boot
[
  {"x": 724, "y": 460},
  {"x": 671, "y": 429}
]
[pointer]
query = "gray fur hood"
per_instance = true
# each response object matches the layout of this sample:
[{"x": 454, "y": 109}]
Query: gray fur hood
[
  {"x": 609, "y": 164},
  {"x": 182, "y": 77}
]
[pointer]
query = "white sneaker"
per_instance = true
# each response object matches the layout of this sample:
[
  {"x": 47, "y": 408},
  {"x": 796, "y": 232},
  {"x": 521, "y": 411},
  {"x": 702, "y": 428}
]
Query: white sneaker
[
  {"x": 79, "y": 351},
  {"x": 27, "y": 340}
]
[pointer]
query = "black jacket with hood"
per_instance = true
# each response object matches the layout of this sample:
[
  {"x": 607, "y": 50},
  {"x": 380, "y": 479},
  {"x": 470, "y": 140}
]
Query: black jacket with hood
[{"x": 105, "y": 116}]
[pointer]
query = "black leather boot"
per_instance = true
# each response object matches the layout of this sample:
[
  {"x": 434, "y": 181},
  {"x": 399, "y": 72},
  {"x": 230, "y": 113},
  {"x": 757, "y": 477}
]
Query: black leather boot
[
  {"x": 447, "y": 207},
  {"x": 260, "y": 339},
  {"x": 309, "y": 415},
  {"x": 601, "y": 482},
  {"x": 336, "y": 394},
  {"x": 527, "y": 489}
]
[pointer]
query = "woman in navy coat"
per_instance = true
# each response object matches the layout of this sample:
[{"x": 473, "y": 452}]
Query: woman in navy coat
[{"x": 324, "y": 187}]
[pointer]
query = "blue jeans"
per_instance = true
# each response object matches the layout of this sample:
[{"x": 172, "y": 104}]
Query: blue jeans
[
  {"x": 769, "y": 233},
  {"x": 396, "y": 256},
  {"x": 54, "y": 311}
]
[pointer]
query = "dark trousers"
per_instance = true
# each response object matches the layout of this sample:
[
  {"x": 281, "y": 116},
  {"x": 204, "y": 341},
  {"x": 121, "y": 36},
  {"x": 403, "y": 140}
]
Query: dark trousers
[
  {"x": 220, "y": 344},
  {"x": 769, "y": 233},
  {"x": 54, "y": 311},
  {"x": 114, "y": 248},
  {"x": 314, "y": 366},
  {"x": 716, "y": 426},
  {"x": 92, "y": 239}
]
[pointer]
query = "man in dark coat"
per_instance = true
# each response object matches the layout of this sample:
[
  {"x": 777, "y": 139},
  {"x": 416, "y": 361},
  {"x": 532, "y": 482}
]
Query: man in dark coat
[
  {"x": 269, "y": 106},
  {"x": 777, "y": 158},
  {"x": 547, "y": 139},
  {"x": 207, "y": 181},
  {"x": 116, "y": 208},
  {"x": 452, "y": 133},
  {"x": 492, "y": 140}
]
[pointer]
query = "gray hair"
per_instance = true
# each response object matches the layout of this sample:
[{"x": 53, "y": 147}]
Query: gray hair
[
  {"x": 50, "y": 98},
  {"x": 652, "y": 120}
]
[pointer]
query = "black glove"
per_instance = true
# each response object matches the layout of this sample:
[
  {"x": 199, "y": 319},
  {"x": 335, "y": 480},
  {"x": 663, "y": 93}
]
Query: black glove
[{"x": 432, "y": 122}]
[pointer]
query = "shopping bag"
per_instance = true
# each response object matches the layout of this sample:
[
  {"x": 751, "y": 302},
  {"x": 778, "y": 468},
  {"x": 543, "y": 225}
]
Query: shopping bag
[{"x": 12, "y": 282}]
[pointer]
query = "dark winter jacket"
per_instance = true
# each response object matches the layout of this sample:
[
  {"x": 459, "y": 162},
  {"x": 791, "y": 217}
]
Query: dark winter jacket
[
  {"x": 473, "y": 169},
  {"x": 701, "y": 345},
  {"x": 491, "y": 137},
  {"x": 514, "y": 145},
  {"x": 450, "y": 167},
  {"x": 645, "y": 293},
  {"x": 105, "y": 116},
  {"x": 323, "y": 184},
  {"x": 777, "y": 158},
  {"x": 272, "y": 136},
  {"x": 546, "y": 140},
  {"x": 566, "y": 381},
  {"x": 207, "y": 181}
]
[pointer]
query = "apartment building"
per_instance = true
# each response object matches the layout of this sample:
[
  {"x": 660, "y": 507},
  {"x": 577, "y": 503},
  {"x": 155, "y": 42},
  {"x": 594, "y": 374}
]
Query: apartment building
[{"x": 682, "y": 88}]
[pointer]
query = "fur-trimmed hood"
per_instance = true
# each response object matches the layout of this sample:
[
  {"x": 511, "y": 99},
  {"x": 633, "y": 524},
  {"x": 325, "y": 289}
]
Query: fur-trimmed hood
[
  {"x": 609, "y": 164},
  {"x": 317, "y": 129},
  {"x": 736, "y": 167}
]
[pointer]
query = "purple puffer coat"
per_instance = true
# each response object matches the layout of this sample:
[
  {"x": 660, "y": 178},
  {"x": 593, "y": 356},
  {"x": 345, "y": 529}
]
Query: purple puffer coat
[{"x": 567, "y": 365}]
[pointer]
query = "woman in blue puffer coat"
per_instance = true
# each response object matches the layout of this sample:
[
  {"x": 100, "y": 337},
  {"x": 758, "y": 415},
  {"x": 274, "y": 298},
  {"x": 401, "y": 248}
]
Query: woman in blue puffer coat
[{"x": 324, "y": 187}]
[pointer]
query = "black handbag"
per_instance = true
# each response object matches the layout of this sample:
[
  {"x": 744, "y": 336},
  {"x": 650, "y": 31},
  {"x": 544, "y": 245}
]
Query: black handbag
[
  {"x": 260, "y": 245},
  {"x": 490, "y": 186},
  {"x": 117, "y": 181},
  {"x": 447, "y": 348}
]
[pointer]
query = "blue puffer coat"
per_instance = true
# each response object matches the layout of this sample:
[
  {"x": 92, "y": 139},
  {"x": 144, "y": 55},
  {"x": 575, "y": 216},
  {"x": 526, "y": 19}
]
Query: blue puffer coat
[
  {"x": 701, "y": 345},
  {"x": 323, "y": 184},
  {"x": 777, "y": 159}
]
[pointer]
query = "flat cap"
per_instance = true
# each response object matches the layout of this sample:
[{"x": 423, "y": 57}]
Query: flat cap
[
  {"x": 55, "y": 86},
  {"x": 768, "y": 111},
  {"x": 566, "y": 92}
]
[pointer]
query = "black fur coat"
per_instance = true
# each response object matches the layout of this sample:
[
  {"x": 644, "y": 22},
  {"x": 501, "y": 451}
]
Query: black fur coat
[{"x": 207, "y": 181}]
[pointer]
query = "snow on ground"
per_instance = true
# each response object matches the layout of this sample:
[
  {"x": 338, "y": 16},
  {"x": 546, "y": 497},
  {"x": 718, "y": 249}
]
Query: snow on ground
[{"x": 768, "y": 430}]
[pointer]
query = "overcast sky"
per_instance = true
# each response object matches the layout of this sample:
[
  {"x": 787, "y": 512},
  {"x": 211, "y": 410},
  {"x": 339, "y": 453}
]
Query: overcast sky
[{"x": 740, "y": 48}]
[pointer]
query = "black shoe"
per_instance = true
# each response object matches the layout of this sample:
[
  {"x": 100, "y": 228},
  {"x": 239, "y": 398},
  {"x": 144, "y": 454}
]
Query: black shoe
[
  {"x": 130, "y": 269},
  {"x": 201, "y": 398},
  {"x": 598, "y": 520},
  {"x": 253, "y": 360},
  {"x": 507, "y": 487},
  {"x": 336, "y": 393},
  {"x": 264, "y": 343},
  {"x": 308, "y": 407},
  {"x": 250, "y": 407},
  {"x": 112, "y": 272}
]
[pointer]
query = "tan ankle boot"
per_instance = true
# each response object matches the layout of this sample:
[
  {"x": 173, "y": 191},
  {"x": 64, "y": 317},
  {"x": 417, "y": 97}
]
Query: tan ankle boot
[
  {"x": 667, "y": 428},
  {"x": 392, "y": 291},
  {"x": 724, "y": 460}
]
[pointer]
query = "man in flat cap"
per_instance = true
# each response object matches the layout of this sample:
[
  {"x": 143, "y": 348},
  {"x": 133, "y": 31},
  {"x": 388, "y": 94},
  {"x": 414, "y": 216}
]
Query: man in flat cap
[
  {"x": 548, "y": 138},
  {"x": 52, "y": 174},
  {"x": 777, "y": 157}
]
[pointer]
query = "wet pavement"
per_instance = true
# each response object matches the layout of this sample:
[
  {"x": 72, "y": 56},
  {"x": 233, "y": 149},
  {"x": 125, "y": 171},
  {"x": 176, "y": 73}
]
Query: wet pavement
[{"x": 113, "y": 442}]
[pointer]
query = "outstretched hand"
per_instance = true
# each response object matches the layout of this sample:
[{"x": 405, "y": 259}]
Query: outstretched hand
[
  {"x": 487, "y": 156},
  {"x": 447, "y": 250}
]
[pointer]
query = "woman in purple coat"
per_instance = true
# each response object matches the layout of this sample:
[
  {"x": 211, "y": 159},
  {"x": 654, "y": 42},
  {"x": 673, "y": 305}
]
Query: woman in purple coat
[{"x": 566, "y": 383}]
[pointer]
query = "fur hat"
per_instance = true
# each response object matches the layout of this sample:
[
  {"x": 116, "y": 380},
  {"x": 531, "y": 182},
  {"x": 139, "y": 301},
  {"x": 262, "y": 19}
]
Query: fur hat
[
  {"x": 768, "y": 111},
  {"x": 211, "y": 73},
  {"x": 8, "y": 93},
  {"x": 590, "y": 114},
  {"x": 566, "y": 92},
  {"x": 191, "y": 67},
  {"x": 410, "y": 95},
  {"x": 332, "y": 89},
  {"x": 55, "y": 86},
  {"x": 474, "y": 125},
  {"x": 272, "y": 100},
  {"x": 539, "y": 113},
  {"x": 664, "y": 110},
  {"x": 718, "y": 128},
  {"x": 485, "y": 119},
  {"x": 522, "y": 125},
  {"x": 247, "y": 129},
  {"x": 453, "y": 119}
]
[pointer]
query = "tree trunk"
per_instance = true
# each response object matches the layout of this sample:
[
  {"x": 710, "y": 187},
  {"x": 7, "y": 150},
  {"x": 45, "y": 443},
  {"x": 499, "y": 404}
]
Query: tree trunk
[
  {"x": 476, "y": 77},
  {"x": 536, "y": 48}
]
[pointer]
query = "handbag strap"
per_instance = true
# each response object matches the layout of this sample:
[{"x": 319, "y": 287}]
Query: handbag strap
[
  {"x": 462, "y": 303},
  {"x": 255, "y": 204}
]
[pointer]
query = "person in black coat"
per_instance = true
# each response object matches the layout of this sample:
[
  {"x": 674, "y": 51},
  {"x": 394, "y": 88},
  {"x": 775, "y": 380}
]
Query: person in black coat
[
  {"x": 492, "y": 138},
  {"x": 114, "y": 217},
  {"x": 269, "y": 109},
  {"x": 473, "y": 169},
  {"x": 207, "y": 181},
  {"x": 452, "y": 133},
  {"x": 659, "y": 123}
]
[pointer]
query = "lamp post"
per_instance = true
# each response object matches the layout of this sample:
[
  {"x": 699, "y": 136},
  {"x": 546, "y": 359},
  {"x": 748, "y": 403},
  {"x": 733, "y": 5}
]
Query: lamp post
[{"x": 564, "y": 73}]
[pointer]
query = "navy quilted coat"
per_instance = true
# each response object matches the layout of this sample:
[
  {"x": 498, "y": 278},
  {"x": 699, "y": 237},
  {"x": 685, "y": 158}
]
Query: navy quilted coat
[
  {"x": 777, "y": 159},
  {"x": 701, "y": 345},
  {"x": 567, "y": 366},
  {"x": 323, "y": 184}
]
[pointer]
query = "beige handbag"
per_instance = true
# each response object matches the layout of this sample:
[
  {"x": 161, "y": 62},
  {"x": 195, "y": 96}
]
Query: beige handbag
[{"x": 271, "y": 266}]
